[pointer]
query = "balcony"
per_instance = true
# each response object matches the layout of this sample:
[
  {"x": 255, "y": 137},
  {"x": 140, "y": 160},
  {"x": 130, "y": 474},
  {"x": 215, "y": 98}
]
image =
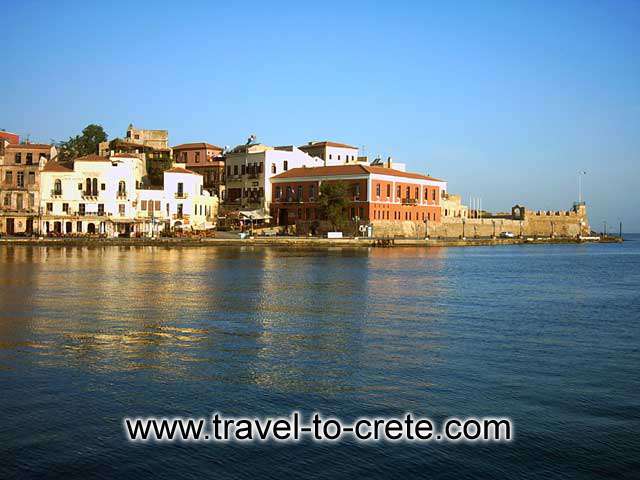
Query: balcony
[
  {"x": 181, "y": 195},
  {"x": 410, "y": 201},
  {"x": 90, "y": 195},
  {"x": 121, "y": 196},
  {"x": 56, "y": 193}
]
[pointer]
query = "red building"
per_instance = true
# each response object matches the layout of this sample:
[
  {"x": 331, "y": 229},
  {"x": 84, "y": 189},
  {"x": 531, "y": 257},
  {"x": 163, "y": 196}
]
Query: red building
[
  {"x": 13, "y": 138},
  {"x": 206, "y": 160},
  {"x": 376, "y": 193}
]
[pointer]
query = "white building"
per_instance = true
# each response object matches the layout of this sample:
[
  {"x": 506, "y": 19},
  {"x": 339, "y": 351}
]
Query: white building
[
  {"x": 333, "y": 153},
  {"x": 182, "y": 203},
  {"x": 96, "y": 195},
  {"x": 250, "y": 167},
  {"x": 103, "y": 195}
]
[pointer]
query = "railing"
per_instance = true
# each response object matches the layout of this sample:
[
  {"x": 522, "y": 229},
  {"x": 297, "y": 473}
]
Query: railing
[
  {"x": 89, "y": 195},
  {"x": 181, "y": 195},
  {"x": 122, "y": 195},
  {"x": 56, "y": 193},
  {"x": 409, "y": 201}
]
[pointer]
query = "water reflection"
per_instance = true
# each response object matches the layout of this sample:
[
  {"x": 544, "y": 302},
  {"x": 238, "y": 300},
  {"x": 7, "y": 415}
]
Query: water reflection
[{"x": 293, "y": 320}]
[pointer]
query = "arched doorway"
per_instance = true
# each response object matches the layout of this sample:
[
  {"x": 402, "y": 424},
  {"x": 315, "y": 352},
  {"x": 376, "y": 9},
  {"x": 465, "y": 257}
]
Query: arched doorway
[
  {"x": 91, "y": 228},
  {"x": 57, "y": 227},
  {"x": 67, "y": 227}
]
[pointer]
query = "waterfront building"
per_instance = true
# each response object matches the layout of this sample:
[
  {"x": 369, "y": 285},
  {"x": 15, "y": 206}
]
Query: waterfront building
[
  {"x": 378, "y": 195},
  {"x": 183, "y": 203},
  {"x": 94, "y": 195},
  {"x": 205, "y": 159},
  {"x": 20, "y": 167},
  {"x": 104, "y": 195},
  {"x": 249, "y": 169}
]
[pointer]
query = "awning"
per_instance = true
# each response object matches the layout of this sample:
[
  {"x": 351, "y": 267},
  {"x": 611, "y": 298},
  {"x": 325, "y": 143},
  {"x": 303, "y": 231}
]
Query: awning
[{"x": 255, "y": 214}]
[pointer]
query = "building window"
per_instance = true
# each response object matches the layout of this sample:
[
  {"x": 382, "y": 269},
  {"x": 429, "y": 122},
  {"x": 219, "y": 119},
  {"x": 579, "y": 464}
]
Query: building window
[
  {"x": 101, "y": 209},
  {"x": 81, "y": 209},
  {"x": 179, "y": 210},
  {"x": 95, "y": 186},
  {"x": 273, "y": 168},
  {"x": 417, "y": 193},
  {"x": 398, "y": 192},
  {"x": 299, "y": 193},
  {"x": 260, "y": 168},
  {"x": 57, "y": 187},
  {"x": 228, "y": 170},
  {"x": 32, "y": 178},
  {"x": 19, "y": 203},
  {"x": 338, "y": 157},
  {"x": 122, "y": 188},
  {"x": 329, "y": 156},
  {"x": 32, "y": 199},
  {"x": 408, "y": 192},
  {"x": 197, "y": 157},
  {"x": 378, "y": 190},
  {"x": 312, "y": 192},
  {"x": 157, "y": 205},
  {"x": 180, "y": 189},
  {"x": 388, "y": 190},
  {"x": 426, "y": 193},
  {"x": 18, "y": 158},
  {"x": 49, "y": 207},
  {"x": 65, "y": 207},
  {"x": 235, "y": 169},
  {"x": 103, "y": 187},
  {"x": 285, "y": 165},
  {"x": 121, "y": 209},
  {"x": 278, "y": 192},
  {"x": 20, "y": 179},
  {"x": 143, "y": 204},
  {"x": 433, "y": 194},
  {"x": 356, "y": 191},
  {"x": 80, "y": 186},
  {"x": 243, "y": 170},
  {"x": 79, "y": 227},
  {"x": 8, "y": 177},
  {"x": 29, "y": 158}
]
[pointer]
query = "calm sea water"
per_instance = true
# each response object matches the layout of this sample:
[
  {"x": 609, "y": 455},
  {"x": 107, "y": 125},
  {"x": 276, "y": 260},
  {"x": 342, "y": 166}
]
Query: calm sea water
[{"x": 548, "y": 335}]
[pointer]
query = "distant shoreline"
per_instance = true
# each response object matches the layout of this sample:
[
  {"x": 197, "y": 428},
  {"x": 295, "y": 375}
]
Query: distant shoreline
[{"x": 292, "y": 242}]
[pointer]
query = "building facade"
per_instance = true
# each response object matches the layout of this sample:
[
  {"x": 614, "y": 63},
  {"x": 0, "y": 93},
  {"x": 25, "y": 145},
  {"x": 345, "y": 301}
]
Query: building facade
[
  {"x": 377, "y": 195},
  {"x": 96, "y": 195},
  {"x": 103, "y": 196},
  {"x": 333, "y": 153},
  {"x": 249, "y": 169},
  {"x": 20, "y": 170},
  {"x": 182, "y": 204},
  {"x": 205, "y": 159}
]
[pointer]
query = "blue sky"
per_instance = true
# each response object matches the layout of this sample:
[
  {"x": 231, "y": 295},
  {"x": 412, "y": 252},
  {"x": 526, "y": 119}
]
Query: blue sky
[{"x": 505, "y": 100}]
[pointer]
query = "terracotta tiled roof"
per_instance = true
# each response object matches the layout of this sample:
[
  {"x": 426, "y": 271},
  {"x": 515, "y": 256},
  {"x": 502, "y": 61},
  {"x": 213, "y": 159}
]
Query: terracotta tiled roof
[
  {"x": 180, "y": 170},
  {"x": 196, "y": 146},
  {"x": 53, "y": 166},
  {"x": 124, "y": 155},
  {"x": 398, "y": 173},
  {"x": 27, "y": 146},
  {"x": 323, "y": 171},
  {"x": 92, "y": 158},
  {"x": 350, "y": 170},
  {"x": 326, "y": 143}
]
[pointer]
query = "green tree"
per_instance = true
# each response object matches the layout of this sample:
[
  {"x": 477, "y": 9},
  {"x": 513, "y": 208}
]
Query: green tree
[
  {"x": 84, "y": 144},
  {"x": 334, "y": 203}
]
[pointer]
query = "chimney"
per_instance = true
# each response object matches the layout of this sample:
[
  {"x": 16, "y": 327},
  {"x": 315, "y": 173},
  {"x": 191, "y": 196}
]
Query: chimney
[{"x": 389, "y": 162}]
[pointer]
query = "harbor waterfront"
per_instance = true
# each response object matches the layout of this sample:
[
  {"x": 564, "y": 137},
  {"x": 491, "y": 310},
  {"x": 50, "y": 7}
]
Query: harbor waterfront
[{"x": 547, "y": 335}]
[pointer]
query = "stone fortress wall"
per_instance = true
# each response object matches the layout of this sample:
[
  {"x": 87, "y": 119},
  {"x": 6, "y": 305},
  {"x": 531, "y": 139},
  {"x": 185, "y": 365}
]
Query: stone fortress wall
[{"x": 528, "y": 223}]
